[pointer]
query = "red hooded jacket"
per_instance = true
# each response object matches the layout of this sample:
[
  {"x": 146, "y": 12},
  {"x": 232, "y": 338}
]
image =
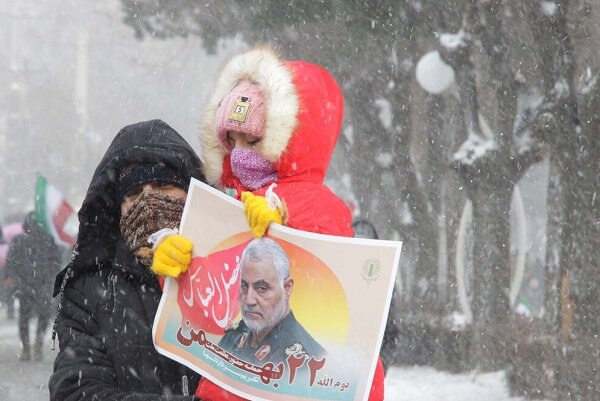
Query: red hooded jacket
[{"x": 303, "y": 121}]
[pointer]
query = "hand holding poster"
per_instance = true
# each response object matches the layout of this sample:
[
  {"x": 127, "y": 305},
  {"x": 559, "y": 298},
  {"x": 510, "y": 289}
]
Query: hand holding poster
[{"x": 295, "y": 316}]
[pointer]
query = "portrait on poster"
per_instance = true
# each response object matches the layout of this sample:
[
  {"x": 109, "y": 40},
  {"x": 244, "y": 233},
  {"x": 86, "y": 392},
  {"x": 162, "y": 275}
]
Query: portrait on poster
[{"x": 290, "y": 316}]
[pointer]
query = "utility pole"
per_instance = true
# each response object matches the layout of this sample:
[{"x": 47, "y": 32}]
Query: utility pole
[
  {"x": 15, "y": 126},
  {"x": 81, "y": 106},
  {"x": 81, "y": 82}
]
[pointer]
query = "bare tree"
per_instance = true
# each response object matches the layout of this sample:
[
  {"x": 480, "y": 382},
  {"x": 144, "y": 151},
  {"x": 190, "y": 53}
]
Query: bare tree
[{"x": 526, "y": 77}]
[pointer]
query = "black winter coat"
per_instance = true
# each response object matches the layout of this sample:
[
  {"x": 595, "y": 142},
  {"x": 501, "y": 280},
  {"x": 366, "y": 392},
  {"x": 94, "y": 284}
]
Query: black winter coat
[
  {"x": 109, "y": 300},
  {"x": 33, "y": 260},
  {"x": 105, "y": 333}
]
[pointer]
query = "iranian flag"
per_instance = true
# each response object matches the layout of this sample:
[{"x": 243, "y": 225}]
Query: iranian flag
[{"x": 54, "y": 213}]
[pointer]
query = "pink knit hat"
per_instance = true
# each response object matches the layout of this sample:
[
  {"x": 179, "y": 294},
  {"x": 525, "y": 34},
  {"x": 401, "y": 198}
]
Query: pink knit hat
[{"x": 243, "y": 110}]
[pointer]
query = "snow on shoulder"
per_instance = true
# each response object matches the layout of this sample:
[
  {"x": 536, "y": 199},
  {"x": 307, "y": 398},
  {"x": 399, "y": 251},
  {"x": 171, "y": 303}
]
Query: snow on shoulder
[{"x": 477, "y": 144}]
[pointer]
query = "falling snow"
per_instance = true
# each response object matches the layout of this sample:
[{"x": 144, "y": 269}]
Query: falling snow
[{"x": 76, "y": 74}]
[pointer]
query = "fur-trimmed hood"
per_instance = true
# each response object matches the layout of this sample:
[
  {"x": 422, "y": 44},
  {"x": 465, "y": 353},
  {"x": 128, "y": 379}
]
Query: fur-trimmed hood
[{"x": 303, "y": 117}]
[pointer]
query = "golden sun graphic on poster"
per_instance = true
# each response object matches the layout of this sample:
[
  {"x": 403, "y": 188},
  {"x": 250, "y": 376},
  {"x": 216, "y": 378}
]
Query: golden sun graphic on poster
[{"x": 318, "y": 299}]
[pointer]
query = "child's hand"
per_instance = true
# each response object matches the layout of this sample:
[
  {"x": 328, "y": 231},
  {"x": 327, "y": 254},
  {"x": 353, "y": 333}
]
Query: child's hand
[
  {"x": 259, "y": 214},
  {"x": 172, "y": 255}
]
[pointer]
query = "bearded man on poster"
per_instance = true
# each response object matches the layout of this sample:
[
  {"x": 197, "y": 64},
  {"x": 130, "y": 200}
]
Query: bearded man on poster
[{"x": 268, "y": 331}]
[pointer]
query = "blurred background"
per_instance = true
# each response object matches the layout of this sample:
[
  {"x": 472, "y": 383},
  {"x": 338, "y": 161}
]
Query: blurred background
[{"x": 470, "y": 133}]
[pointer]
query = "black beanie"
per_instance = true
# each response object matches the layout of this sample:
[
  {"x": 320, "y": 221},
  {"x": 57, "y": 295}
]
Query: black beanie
[{"x": 137, "y": 175}]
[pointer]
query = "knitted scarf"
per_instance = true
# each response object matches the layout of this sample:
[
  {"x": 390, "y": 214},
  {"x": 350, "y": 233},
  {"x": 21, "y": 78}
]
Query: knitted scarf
[{"x": 150, "y": 212}]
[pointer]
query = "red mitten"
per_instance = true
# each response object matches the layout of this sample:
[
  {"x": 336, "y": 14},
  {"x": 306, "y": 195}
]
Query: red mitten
[
  {"x": 376, "y": 393},
  {"x": 208, "y": 391}
]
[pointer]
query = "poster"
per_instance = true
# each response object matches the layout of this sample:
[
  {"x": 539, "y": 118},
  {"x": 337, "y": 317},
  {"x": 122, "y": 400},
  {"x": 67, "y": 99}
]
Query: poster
[{"x": 313, "y": 333}]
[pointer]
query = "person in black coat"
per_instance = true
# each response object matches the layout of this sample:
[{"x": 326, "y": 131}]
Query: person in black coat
[
  {"x": 108, "y": 293},
  {"x": 32, "y": 262}
]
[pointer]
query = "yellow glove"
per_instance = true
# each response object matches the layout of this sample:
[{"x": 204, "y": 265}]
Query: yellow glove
[
  {"x": 172, "y": 256},
  {"x": 259, "y": 214}
]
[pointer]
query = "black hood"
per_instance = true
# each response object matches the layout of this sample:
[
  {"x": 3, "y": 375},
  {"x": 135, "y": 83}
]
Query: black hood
[{"x": 142, "y": 143}]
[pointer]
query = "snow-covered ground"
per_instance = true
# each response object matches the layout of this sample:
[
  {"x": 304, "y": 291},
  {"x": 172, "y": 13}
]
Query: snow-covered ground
[
  {"x": 427, "y": 384},
  {"x": 28, "y": 381},
  {"x": 21, "y": 381}
]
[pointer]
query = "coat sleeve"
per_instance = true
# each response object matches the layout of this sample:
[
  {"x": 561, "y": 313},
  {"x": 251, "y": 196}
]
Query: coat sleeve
[{"x": 82, "y": 369}]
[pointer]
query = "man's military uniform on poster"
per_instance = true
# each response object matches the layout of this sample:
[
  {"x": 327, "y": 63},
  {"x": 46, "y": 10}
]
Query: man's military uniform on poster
[{"x": 287, "y": 338}]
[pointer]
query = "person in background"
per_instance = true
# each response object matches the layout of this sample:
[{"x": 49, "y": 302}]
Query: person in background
[
  {"x": 364, "y": 229},
  {"x": 108, "y": 294},
  {"x": 268, "y": 134},
  {"x": 32, "y": 262},
  {"x": 7, "y": 284}
]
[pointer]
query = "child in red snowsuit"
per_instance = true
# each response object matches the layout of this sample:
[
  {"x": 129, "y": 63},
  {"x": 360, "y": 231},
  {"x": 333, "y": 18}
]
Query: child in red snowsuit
[
  {"x": 275, "y": 121},
  {"x": 269, "y": 122}
]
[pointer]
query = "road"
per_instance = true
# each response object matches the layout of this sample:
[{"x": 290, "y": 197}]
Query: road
[{"x": 21, "y": 381}]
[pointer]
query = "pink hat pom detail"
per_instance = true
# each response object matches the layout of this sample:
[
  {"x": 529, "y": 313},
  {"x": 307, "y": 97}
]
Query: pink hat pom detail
[{"x": 251, "y": 119}]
